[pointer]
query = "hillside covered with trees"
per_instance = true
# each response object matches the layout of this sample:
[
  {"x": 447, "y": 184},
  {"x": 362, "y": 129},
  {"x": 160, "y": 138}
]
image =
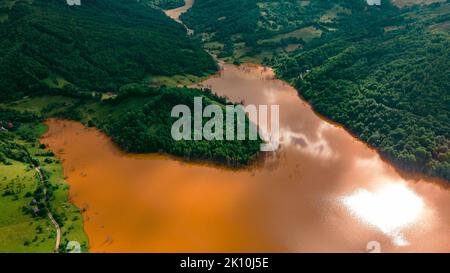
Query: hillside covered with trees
[
  {"x": 166, "y": 4},
  {"x": 91, "y": 63},
  {"x": 250, "y": 28},
  {"x": 385, "y": 75},
  {"x": 97, "y": 58},
  {"x": 139, "y": 120},
  {"x": 381, "y": 71},
  {"x": 97, "y": 46}
]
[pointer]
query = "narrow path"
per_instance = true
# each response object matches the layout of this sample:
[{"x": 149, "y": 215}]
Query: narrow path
[{"x": 49, "y": 214}]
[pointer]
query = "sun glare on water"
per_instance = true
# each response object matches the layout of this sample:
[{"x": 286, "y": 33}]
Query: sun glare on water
[{"x": 390, "y": 209}]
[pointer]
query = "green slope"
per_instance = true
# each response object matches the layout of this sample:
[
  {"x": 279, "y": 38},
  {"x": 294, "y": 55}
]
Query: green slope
[
  {"x": 98, "y": 46},
  {"x": 383, "y": 72},
  {"x": 385, "y": 75}
]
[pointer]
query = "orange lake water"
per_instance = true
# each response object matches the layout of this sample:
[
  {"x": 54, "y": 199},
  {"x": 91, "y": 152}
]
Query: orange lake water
[{"x": 322, "y": 191}]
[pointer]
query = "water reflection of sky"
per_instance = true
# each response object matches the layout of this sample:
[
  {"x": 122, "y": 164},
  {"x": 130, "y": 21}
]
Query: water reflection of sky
[
  {"x": 324, "y": 190},
  {"x": 383, "y": 200},
  {"x": 391, "y": 208}
]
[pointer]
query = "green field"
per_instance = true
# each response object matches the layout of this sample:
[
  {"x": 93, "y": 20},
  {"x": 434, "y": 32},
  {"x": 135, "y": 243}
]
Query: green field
[
  {"x": 55, "y": 82},
  {"x": 402, "y": 3},
  {"x": 20, "y": 230},
  {"x": 307, "y": 34},
  {"x": 175, "y": 81}
]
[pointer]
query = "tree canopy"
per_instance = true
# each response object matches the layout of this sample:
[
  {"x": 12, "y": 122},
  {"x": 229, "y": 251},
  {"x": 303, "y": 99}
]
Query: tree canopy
[{"x": 98, "y": 46}]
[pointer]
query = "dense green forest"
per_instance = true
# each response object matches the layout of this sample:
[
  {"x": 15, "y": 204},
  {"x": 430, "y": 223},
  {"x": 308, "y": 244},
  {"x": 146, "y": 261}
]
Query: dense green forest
[
  {"x": 143, "y": 124},
  {"x": 250, "y": 27},
  {"x": 139, "y": 120},
  {"x": 381, "y": 71},
  {"x": 98, "y": 46},
  {"x": 250, "y": 20},
  {"x": 385, "y": 75},
  {"x": 224, "y": 18},
  {"x": 99, "y": 53}
]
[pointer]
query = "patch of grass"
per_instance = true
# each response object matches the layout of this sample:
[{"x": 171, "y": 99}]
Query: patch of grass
[
  {"x": 38, "y": 104},
  {"x": 442, "y": 27},
  {"x": 307, "y": 34},
  {"x": 402, "y": 3},
  {"x": 258, "y": 58},
  {"x": 55, "y": 82},
  {"x": 18, "y": 231},
  {"x": 24, "y": 232},
  {"x": 213, "y": 47},
  {"x": 333, "y": 13},
  {"x": 175, "y": 81}
]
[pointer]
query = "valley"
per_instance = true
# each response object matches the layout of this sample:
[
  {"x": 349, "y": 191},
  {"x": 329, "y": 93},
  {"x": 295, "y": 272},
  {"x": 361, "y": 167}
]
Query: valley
[{"x": 364, "y": 126}]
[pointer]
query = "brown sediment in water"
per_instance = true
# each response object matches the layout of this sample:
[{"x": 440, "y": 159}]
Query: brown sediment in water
[
  {"x": 176, "y": 13},
  {"x": 324, "y": 190}
]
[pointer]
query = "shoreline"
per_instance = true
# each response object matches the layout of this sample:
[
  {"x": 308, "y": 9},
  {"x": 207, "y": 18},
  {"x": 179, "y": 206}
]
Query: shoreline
[{"x": 187, "y": 173}]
